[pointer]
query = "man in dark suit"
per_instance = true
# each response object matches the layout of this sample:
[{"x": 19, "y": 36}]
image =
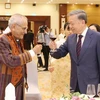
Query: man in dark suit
[
  {"x": 28, "y": 40},
  {"x": 85, "y": 58}
]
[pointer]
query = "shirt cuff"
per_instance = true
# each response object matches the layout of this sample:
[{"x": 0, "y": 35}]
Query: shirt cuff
[{"x": 32, "y": 53}]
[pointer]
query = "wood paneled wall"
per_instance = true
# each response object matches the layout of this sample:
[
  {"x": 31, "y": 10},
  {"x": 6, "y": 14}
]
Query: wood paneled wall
[{"x": 93, "y": 12}]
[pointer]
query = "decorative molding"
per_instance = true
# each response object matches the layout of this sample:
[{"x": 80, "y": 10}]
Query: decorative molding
[
  {"x": 7, "y": 5},
  {"x": 4, "y": 18},
  {"x": 63, "y": 16}
]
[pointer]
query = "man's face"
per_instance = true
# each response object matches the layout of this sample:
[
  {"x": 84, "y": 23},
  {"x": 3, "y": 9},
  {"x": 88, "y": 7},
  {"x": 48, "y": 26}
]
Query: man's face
[
  {"x": 20, "y": 29},
  {"x": 75, "y": 24}
]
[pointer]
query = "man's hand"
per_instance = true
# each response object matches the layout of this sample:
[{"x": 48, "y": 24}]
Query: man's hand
[
  {"x": 52, "y": 45},
  {"x": 37, "y": 49}
]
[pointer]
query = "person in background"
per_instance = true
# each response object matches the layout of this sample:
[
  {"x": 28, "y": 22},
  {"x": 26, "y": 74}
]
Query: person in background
[
  {"x": 28, "y": 40},
  {"x": 67, "y": 32},
  {"x": 84, "y": 49},
  {"x": 40, "y": 40},
  {"x": 62, "y": 34},
  {"x": 46, "y": 48},
  {"x": 67, "y": 29},
  {"x": 13, "y": 57},
  {"x": 95, "y": 27}
]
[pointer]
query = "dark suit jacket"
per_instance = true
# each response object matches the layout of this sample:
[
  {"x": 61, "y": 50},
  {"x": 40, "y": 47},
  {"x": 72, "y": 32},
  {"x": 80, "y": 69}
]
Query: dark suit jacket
[
  {"x": 86, "y": 69},
  {"x": 28, "y": 40}
]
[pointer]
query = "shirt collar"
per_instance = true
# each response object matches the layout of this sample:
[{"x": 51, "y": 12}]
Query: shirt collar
[{"x": 84, "y": 32}]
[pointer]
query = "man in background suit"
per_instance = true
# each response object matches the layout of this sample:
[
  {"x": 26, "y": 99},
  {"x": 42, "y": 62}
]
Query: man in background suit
[
  {"x": 28, "y": 40},
  {"x": 85, "y": 66}
]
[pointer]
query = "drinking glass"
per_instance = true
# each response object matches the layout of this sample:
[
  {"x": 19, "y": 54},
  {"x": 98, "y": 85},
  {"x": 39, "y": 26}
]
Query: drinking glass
[
  {"x": 98, "y": 90},
  {"x": 53, "y": 38},
  {"x": 91, "y": 90}
]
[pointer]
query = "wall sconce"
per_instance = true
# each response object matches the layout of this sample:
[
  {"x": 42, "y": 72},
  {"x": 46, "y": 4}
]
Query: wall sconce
[{"x": 7, "y": 5}]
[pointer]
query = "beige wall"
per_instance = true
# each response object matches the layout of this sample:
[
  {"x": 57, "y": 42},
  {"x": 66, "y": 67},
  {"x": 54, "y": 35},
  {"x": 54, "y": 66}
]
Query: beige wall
[
  {"x": 39, "y": 9},
  {"x": 51, "y": 10},
  {"x": 92, "y": 11}
]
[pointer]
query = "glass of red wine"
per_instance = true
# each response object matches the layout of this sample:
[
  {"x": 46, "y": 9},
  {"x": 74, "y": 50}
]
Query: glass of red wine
[
  {"x": 53, "y": 38},
  {"x": 41, "y": 43}
]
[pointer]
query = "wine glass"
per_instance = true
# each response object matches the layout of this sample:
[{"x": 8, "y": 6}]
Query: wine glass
[
  {"x": 53, "y": 38},
  {"x": 91, "y": 90},
  {"x": 98, "y": 90}
]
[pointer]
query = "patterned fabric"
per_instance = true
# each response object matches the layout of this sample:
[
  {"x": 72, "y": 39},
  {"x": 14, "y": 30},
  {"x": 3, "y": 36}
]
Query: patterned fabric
[
  {"x": 60, "y": 77},
  {"x": 9, "y": 61},
  {"x": 55, "y": 84}
]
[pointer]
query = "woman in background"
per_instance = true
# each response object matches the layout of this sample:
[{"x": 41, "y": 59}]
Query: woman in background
[
  {"x": 95, "y": 27},
  {"x": 67, "y": 29}
]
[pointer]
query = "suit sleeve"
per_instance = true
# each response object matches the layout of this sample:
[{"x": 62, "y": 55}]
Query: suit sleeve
[
  {"x": 98, "y": 51},
  {"x": 61, "y": 51},
  {"x": 7, "y": 58}
]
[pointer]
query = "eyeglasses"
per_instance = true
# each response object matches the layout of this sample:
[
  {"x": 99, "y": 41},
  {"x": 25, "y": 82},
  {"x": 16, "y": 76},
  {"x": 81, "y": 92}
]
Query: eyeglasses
[{"x": 23, "y": 28}]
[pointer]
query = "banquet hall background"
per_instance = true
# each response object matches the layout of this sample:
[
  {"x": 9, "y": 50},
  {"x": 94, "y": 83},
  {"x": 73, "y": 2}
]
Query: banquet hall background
[{"x": 54, "y": 15}]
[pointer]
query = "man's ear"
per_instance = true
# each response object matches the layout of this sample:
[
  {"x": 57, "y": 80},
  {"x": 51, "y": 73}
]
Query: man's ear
[
  {"x": 12, "y": 27},
  {"x": 83, "y": 21}
]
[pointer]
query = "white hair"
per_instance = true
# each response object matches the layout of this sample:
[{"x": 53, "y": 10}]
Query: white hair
[{"x": 16, "y": 18}]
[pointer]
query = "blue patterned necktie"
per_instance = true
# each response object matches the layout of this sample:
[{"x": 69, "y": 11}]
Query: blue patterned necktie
[{"x": 78, "y": 46}]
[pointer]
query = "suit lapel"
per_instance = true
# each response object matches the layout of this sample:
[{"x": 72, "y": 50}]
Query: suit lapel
[{"x": 86, "y": 43}]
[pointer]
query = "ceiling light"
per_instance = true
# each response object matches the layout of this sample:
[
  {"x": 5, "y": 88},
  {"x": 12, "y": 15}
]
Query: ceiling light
[
  {"x": 35, "y": 2},
  {"x": 91, "y": 3},
  {"x": 22, "y": 1},
  {"x": 8, "y": 1}
]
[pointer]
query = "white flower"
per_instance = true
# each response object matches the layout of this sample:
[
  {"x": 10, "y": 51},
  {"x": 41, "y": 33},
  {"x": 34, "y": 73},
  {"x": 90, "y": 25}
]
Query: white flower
[
  {"x": 83, "y": 96},
  {"x": 63, "y": 98}
]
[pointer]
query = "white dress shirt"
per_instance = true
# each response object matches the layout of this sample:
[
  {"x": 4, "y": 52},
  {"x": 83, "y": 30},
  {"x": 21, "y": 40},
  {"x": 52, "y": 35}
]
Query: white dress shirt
[{"x": 83, "y": 34}]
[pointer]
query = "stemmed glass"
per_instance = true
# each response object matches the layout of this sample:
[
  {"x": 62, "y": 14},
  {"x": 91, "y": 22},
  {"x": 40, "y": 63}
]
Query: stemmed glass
[
  {"x": 91, "y": 90},
  {"x": 98, "y": 90},
  {"x": 53, "y": 38}
]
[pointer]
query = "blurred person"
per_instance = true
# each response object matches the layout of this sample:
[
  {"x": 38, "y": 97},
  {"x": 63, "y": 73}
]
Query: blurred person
[
  {"x": 46, "y": 48},
  {"x": 40, "y": 40},
  {"x": 67, "y": 29},
  {"x": 94, "y": 27},
  {"x": 62, "y": 34},
  {"x": 84, "y": 49},
  {"x": 68, "y": 32},
  {"x": 13, "y": 57},
  {"x": 28, "y": 40}
]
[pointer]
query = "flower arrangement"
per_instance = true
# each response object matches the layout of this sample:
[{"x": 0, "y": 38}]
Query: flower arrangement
[{"x": 75, "y": 96}]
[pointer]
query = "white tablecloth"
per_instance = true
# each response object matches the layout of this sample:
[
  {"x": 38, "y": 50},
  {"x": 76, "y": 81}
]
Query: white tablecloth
[{"x": 32, "y": 78}]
